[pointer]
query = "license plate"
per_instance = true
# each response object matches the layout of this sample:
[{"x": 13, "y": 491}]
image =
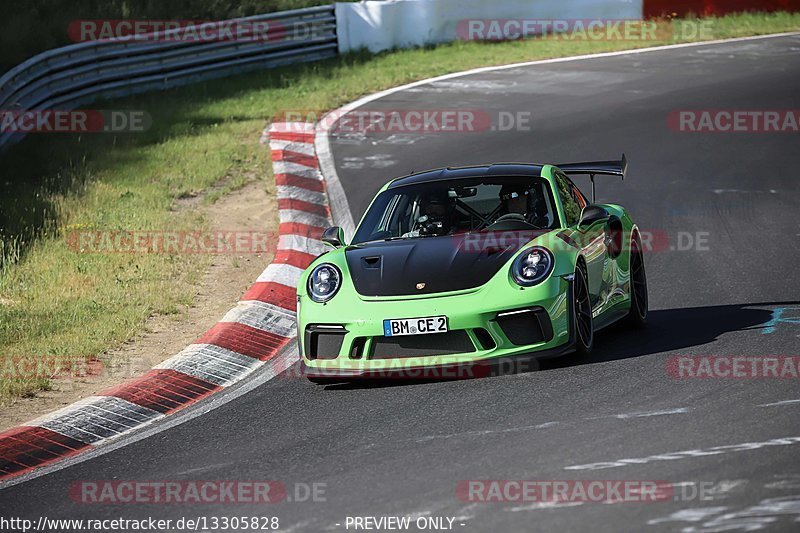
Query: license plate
[{"x": 415, "y": 326}]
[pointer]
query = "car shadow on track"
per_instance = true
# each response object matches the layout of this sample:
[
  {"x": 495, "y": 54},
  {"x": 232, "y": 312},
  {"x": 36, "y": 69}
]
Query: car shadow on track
[
  {"x": 667, "y": 330},
  {"x": 673, "y": 329}
]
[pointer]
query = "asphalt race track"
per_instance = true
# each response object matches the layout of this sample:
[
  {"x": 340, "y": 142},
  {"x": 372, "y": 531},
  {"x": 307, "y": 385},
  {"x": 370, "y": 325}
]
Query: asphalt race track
[{"x": 401, "y": 449}]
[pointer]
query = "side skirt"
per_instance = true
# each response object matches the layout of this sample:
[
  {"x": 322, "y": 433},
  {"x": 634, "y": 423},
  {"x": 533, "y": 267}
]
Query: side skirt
[{"x": 611, "y": 316}]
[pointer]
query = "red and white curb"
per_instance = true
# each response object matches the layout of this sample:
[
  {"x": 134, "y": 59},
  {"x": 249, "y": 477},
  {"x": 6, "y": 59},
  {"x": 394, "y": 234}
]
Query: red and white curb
[{"x": 249, "y": 338}]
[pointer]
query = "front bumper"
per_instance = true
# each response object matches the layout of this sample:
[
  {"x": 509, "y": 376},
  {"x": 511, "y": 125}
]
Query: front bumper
[{"x": 344, "y": 338}]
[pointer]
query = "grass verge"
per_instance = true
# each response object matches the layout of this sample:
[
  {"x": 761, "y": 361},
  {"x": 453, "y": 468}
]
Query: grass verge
[{"x": 55, "y": 302}]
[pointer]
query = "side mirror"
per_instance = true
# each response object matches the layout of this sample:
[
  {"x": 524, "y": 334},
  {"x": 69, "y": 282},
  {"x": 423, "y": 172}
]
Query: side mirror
[
  {"x": 592, "y": 214},
  {"x": 334, "y": 237}
]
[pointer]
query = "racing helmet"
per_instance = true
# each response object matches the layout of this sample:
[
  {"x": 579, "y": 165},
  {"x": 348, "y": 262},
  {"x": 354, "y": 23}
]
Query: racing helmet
[{"x": 435, "y": 213}]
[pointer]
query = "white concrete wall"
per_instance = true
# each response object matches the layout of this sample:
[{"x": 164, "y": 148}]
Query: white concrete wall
[{"x": 386, "y": 24}]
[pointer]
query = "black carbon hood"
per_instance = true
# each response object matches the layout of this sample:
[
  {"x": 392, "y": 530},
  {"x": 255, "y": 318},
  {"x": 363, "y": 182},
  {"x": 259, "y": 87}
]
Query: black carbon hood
[{"x": 443, "y": 264}]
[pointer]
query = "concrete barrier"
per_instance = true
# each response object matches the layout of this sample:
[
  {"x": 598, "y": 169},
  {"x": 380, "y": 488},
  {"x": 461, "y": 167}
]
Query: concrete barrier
[{"x": 387, "y": 24}]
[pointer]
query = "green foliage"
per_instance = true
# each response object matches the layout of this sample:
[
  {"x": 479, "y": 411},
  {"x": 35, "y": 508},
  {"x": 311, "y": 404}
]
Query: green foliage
[{"x": 33, "y": 26}]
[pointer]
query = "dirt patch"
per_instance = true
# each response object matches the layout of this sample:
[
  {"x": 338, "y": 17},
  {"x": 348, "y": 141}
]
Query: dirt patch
[{"x": 229, "y": 276}]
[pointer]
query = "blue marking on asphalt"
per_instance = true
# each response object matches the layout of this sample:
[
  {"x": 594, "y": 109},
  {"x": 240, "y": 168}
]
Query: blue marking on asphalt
[{"x": 777, "y": 317}]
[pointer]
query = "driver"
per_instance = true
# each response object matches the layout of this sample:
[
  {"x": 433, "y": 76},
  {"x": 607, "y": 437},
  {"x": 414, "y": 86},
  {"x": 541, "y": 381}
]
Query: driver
[
  {"x": 515, "y": 199},
  {"x": 436, "y": 215},
  {"x": 520, "y": 200}
]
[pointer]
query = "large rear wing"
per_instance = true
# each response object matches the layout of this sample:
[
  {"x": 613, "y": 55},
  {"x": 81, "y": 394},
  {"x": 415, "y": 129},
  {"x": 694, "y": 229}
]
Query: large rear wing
[{"x": 597, "y": 168}]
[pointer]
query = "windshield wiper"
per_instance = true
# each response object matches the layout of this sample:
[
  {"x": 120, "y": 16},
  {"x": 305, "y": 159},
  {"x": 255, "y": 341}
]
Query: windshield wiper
[
  {"x": 390, "y": 239},
  {"x": 409, "y": 237}
]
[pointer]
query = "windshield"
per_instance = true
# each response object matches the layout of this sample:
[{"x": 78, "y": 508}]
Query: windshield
[{"x": 450, "y": 207}]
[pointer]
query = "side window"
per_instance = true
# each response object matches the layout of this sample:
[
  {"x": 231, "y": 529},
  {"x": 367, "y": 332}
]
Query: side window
[
  {"x": 578, "y": 195},
  {"x": 572, "y": 209}
]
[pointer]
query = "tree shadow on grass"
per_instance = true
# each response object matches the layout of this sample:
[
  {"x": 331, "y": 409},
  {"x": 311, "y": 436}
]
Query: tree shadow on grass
[{"x": 43, "y": 167}]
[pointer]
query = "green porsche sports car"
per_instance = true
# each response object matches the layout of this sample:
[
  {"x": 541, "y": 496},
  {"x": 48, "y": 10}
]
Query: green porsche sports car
[{"x": 473, "y": 265}]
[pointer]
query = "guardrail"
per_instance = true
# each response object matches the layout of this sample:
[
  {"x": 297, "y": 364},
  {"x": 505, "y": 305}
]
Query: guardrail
[{"x": 64, "y": 78}]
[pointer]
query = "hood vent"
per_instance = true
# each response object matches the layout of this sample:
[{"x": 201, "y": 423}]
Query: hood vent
[{"x": 372, "y": 262}]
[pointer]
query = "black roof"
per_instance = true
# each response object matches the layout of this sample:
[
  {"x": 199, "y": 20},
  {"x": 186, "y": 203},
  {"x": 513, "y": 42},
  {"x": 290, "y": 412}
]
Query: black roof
[{"x": 501, "y": 169}]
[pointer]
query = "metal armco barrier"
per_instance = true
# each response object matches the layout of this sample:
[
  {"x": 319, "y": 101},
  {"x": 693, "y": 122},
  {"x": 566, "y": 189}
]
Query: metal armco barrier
[{"x": 67, "y": 77}]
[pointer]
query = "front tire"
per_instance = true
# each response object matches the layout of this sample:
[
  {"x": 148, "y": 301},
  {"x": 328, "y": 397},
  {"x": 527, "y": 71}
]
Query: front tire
[
  {"x": 637, "y": 317},
  {"x": 582, "y": 313}
]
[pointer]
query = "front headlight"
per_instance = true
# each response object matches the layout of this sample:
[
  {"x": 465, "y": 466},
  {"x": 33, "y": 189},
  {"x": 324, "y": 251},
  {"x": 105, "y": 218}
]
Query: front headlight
[
  {"x": 532, "y": 266},
  {"x": 323, "y": 282}
]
